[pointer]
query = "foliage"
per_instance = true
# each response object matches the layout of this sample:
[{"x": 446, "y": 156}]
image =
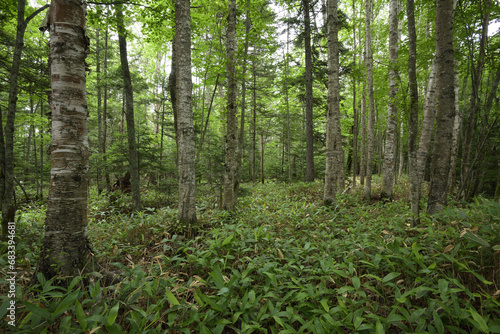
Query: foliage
[{"x": 283, "y": 263}]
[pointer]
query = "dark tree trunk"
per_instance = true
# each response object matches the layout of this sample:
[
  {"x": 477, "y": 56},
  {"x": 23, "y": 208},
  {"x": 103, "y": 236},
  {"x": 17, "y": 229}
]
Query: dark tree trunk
[
  {"x": 309, "y": 94},
  {"x": 129, "y": 112}
]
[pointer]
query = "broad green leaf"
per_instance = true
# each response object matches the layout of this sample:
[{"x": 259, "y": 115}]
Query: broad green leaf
[
  {"x": 390, "y": 277},
  {"x": 38, "y": 311},
  {"x": 171, "y": 298},
  {"x": 379, "y": 328},
  {"x": 113, "y": 313},
  {"x": 437, "y": 322},
  {"x": 324, "y": 303},
  {"x": 80, "y": 315},
  {"x": 228, "y": 240},
  {"x": 479, "y": 319},
  {"x": 356, "y": 282},
  {"x": 65, "y": 303}
]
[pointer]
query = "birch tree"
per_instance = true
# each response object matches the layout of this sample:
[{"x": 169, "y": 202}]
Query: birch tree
[
  {"x": 445, "y": 106},
  {"x": 333, "y": 132},
  {"x": 371, "y": 100},
  {"x": 66, "y": 248},
  {"x": 185, "y": 129},
  {"x": 392, "y": 113}
]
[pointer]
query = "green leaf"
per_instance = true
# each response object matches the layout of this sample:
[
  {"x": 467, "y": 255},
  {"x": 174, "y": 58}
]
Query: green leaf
[
  {"x": 356, "y": 282},
  {"x": 438, "y": 322},
  {"x": 443, "y": 286},
  {"x": 80, "y": 315},
  {"x": 379, "y": 328},
  {"x": 279, "y": 321},
  {"x": 325, "y": 305},
  {"x": 479, "y": 319},
  {"x": 228, "y": 240},
  {"x": 473, "y": 237},
  {"x": 390, "y": 277},
  {"x": 113, "y": 313},
  {"x": 171, "y": 298},
  {"x": 38, "y": 311},
  {"x": 65, "y": 303}
]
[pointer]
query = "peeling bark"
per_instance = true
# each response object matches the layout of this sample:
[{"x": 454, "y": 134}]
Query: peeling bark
[
  {"x": 184, "y": 105},
  {"x": 445, "y": 106},
  {"x": 392, "y": 113},
  {"x": 66, "y": 248}
]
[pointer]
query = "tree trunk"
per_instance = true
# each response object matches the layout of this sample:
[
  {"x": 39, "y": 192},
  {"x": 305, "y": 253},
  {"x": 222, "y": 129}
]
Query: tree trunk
[
  {"x": 473, "y": 111},
  {"x": 445, "y": 106},
  {"x": 333, "y": 151},
  {"x": 7, "y": 174},
  {"x": 355, "y": 129},
  {"x": 99, "y": 110},
  {"x": 457, "y": 124},
  {"x": 309, "y": 95},
  {"x": 129, "y": 112},
  {"x": 371, "y": 101},
  {"x": 392, "y": 113},
  {"x": 241, "y": 136},
  {"x": 230, "y": 197},
  {"x": 413, "y": 119},
  {"x": 66, "y": 248},
  {"x": 105, "y": 115},
  {"x": 183, "y": 87}
]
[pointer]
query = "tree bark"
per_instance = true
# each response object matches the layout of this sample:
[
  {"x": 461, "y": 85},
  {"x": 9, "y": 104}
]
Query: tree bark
[
  {"x": 241, "y": 136},
  {"x": 309, "y": 94},
  {"x": 230, "y": 197},
  {"x": 66, "y": 248},
  {"x": 413, "y": 119},
  {"x": 333, "y": 133},
  {"x": 445, "y": 106},
  {"x": 392, "y": 113},
  {"x": 371, "y": 101},
  {"x": 129, "y": 112},
  {"x": 183, "y": 87}
]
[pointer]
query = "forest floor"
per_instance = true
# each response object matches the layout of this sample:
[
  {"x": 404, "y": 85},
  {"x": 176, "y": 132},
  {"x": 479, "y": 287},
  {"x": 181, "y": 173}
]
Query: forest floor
[{"x": 282, "y": 263}]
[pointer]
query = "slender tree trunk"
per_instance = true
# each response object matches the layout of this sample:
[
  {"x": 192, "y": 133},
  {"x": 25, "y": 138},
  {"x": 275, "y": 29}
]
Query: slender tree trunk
[
  {"x": 355, "y": 129},
  {"x": 413, "y": 119},
  {"x": 105, "y": 115},
  {"x": 457, "y": 124},
  {"x": 66, "y": 248},
  {"x": 262, "y": 158},
  {"x": 445, "y": 107},
  {"x": 288, "y": 142},
  {"x": 333, "y": 135},
  {"x": 392, "y": 114},
  {"x": 7, "y": 174},
  {"x": 309, "y": 95},
  {"x": 202, "y": 139},
  {"x": 99, "y": 110},
  {"x": 230, "y": 197},
  {"x": 371, "y": 101},
  {"x": 129, "y": 108},
  {"x": 183, "y": 87},
  {"x": 254, "y": 119},
  {"x": 241, "y": 136},
  {"x": 473, "y": 111}
]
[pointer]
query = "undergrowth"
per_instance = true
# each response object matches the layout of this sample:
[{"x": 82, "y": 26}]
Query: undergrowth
[{"x": 282, "y": 263}]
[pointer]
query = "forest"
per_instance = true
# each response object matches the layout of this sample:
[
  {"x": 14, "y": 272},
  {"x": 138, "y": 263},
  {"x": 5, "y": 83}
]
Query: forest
[{"x": 250, "y": 166}]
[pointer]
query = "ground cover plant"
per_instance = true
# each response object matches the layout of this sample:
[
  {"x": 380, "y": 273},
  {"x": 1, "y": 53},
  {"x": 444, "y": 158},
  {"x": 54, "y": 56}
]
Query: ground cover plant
[{"x": 281, "y": 263}]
